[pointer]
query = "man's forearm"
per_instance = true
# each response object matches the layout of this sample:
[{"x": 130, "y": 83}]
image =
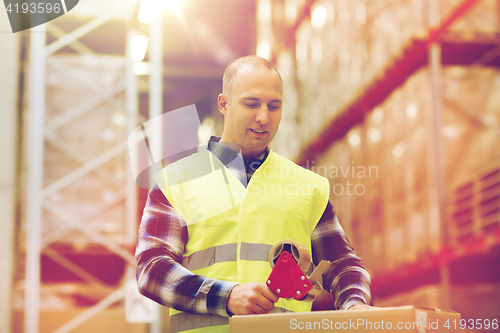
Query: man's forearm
[
  {"x": 174, "y": 286},
  {"x": 346, "y": 279},
  {"x": 350, "y": 286},
  {"x": 160, "y": 276}
]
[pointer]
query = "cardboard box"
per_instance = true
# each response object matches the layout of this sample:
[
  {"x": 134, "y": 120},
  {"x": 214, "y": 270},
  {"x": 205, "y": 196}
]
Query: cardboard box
[{"x": 396, "y": 319}]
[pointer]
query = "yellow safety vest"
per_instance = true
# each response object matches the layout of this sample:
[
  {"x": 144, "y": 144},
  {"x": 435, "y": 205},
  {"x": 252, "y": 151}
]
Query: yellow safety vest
[{"x": 231, "y": 229}]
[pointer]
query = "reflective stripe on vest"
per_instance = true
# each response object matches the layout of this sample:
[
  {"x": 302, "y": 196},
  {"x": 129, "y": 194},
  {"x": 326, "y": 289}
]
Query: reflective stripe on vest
[
  {"x": 227, "y": 252},
  {"x": 255, "y": 252}
]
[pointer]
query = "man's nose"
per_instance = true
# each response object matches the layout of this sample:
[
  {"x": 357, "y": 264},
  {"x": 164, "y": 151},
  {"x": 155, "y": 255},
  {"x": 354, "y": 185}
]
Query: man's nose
[{"x": 262, "y": 115}]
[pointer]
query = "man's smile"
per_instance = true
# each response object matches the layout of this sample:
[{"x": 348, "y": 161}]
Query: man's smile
[{"x": 258, "y": 132}]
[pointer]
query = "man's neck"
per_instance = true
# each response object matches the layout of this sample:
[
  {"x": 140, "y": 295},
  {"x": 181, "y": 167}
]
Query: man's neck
[{"x": 247, "y": 155}]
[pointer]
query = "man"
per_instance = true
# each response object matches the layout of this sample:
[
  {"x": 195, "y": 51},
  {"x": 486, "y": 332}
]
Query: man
[{"x": 204, "y": 241}]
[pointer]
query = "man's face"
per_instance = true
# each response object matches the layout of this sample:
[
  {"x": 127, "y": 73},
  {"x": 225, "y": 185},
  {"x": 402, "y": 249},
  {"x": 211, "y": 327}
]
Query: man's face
[{"x": 253, "y": 116}]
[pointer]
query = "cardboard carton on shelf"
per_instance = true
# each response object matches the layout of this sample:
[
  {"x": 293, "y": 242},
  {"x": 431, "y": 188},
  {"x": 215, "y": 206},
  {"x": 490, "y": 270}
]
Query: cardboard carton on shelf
[{"x": 395, "y": 319}]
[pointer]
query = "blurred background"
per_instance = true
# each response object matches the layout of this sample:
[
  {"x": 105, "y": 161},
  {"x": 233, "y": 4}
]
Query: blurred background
[{"x": 397, "y": 102}]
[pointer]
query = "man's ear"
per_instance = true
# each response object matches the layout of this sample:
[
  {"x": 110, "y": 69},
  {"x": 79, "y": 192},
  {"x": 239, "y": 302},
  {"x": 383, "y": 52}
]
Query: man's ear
[{"x": 222, "y": 102}]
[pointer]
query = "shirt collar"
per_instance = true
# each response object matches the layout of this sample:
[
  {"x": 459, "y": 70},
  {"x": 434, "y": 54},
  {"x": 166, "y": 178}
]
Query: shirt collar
[
  {"x": 226, "y": 155},
  {"x": 223, "y": 153}
]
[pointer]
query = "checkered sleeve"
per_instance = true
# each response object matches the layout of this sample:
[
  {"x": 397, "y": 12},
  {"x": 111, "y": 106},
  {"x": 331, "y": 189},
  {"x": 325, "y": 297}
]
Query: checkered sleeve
[
  {"x": 346, "y": 279},
  {"x": 160, "y": 276}
]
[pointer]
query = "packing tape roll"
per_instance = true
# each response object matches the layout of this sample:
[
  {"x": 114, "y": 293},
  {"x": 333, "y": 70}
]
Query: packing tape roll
[{"x": 299, "y": 252}]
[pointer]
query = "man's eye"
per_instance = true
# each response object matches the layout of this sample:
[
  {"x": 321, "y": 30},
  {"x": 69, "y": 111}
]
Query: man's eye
[
  {"x": 273, "y": 107},
  {"x": 251, "y": 105}
]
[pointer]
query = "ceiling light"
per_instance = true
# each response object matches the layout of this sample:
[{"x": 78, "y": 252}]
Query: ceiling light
[
  {"x": 173, "y": 5},
  {"x": 318, "y": 16},
  {"x": 139, "y": 45},
  {"x": 147, "y": 11},
  {"x": 399, "y": 149},
  {"x": 411, "y": 111},
  {"x": 354, "y": 140},
  {"x": 374, "y": 134},
  {"x": 264, "y": 10},
  {"x": 149, "y": 8},
  {"x": 141, "y": 68},
  {"x": 264, "y": 50}
]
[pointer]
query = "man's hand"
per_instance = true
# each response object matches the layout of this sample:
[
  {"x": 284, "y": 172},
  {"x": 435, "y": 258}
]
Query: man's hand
[{"x": 251, "y": 298}]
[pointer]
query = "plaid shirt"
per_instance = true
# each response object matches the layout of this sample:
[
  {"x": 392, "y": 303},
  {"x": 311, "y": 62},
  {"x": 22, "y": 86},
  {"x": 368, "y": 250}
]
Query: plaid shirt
[{"x": 163, "y": 236}]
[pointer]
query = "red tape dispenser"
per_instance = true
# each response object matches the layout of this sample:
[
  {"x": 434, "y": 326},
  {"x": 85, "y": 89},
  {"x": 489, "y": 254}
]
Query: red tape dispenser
[
  {"x": 287, "y": 279},
  {"x": 291, "y": 263}
]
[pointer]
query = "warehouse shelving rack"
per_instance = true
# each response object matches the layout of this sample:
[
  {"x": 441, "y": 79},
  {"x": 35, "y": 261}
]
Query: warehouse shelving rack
[
  {"x": 122, "y": 97},
  {"x": 434, "y": 48}
]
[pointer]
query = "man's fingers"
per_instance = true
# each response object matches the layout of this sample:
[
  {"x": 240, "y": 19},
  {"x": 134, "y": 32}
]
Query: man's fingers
[
  {"x": 266, "y": 304},
  {"x": 257, "y": 309},
  {"x": 269, "y": 294},
  {"x": 268, "y": 298},
  {"x": 254, "y": 308},
  {"x": 262, "y": 298}
]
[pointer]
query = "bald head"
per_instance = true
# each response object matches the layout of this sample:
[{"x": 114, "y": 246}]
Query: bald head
[{"x": 231, "y": 72}]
